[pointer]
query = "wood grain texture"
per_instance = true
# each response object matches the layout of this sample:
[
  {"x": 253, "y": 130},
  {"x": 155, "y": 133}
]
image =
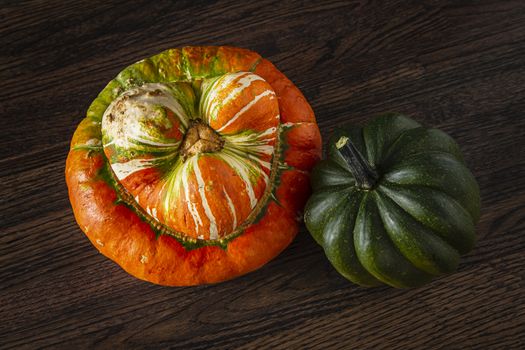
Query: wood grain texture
[{"x": 456, "y": 65}]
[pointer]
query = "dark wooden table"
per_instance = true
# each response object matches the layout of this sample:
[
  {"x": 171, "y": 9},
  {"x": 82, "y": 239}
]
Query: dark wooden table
[{"x": 456, "y": 65}]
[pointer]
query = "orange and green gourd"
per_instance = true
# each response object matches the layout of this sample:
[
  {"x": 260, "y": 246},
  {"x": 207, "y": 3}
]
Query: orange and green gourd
[{"x": 192, "y": 166}]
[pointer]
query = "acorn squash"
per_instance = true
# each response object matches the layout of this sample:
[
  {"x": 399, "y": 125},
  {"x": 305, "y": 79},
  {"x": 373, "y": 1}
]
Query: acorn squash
[{"x": 393, "y": 203}]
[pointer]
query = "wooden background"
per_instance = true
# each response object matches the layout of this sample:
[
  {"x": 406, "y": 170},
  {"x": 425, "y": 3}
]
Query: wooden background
[{"x": 456, "y": 65}]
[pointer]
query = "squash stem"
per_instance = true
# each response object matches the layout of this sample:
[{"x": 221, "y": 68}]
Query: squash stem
[{"x": 365, "y": 175}]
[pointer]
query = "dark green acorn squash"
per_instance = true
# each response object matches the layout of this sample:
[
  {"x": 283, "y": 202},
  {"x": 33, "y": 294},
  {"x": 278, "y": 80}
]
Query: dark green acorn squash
[{"x": 394, "y": 203}]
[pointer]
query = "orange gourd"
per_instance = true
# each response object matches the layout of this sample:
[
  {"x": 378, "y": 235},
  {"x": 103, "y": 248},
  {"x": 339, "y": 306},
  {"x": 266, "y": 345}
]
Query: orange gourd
[{"x": 192, "y": 166}]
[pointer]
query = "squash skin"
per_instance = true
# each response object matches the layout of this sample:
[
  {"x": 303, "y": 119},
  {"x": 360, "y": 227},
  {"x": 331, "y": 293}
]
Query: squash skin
[
  {"x": 416, "y": 221},
  {"x": 120, "y": 234}
]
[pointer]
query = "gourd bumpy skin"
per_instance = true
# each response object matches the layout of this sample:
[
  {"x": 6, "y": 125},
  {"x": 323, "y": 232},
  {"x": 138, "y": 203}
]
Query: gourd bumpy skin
[
  {"x": 417, "y": 219},
  {"x": 200, "y": 160}
]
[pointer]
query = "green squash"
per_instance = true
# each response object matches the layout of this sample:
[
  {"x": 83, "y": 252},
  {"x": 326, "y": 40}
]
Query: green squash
[{"x": 393, "y": 203}]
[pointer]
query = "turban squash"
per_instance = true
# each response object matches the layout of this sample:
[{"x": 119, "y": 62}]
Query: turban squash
[
  {"x": 192, "y": 166},
  {"x": 393, "y": 203}
]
